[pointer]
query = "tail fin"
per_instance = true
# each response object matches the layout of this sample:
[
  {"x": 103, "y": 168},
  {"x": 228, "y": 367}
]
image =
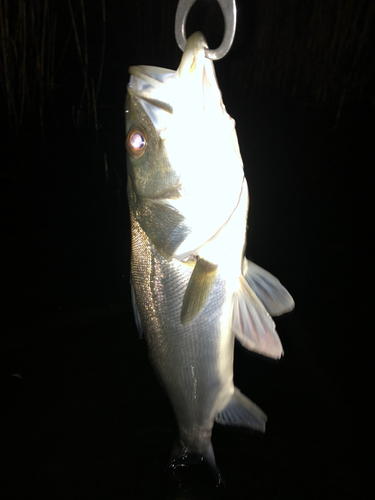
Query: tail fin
[{"x": 183, "y": 457}]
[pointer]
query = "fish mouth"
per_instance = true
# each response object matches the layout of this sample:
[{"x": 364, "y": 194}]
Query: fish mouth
[
  {"x": 193, "y": 58},
  {"x": 147, "y": 83},
  {"x": 149, "y": 80},
  {"x": 163, "y": 91}
]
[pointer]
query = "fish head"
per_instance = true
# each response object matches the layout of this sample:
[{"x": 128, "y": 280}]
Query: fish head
[
  {"x": 181, "y": 143},
  {"x": 149, "y": 168}
]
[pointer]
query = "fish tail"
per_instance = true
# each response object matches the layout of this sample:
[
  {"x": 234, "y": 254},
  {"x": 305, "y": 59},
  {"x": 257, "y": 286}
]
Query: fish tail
[{"x": 182, "y": 457}]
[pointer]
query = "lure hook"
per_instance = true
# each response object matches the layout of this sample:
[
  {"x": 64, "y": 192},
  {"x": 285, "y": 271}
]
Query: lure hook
[{"x": 228, "y": 8}]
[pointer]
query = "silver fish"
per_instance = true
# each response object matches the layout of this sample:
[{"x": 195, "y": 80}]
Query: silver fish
[{"x": 193, "y": 290}]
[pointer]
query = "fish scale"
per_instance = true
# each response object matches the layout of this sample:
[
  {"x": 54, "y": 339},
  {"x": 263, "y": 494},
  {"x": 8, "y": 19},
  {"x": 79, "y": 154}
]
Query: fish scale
[{"x": 161, "y": 286}]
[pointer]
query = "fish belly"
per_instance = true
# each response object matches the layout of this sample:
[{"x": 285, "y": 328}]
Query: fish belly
[{"x": 194, "y": 361}]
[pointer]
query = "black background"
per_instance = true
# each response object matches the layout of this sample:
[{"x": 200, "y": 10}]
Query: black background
[{"x": 84, "y": 416}]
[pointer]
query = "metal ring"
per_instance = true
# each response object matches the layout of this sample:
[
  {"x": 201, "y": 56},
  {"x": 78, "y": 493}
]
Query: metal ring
[{"x": 228, "y": 8}]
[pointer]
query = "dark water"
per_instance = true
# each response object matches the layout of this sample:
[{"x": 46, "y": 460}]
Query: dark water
[{"x": 83, "y": 414}]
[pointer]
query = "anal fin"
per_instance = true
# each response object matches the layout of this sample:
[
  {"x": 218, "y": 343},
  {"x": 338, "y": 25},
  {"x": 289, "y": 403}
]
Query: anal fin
[
  {"x": 273, "y": 295},
  {"x": 252, "y": 324},
  {"x": 242, "y": 412}
]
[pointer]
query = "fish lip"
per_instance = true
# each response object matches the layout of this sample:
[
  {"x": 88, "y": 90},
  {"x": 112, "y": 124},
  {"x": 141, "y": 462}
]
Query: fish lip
[
  {"x": 165, "y": 106},
  {"x": 146, "y": 80},
  {"x": 145, "y": 71},
  {"x": 155, "y": 75},
  {"x": 160, "y": 89},
  {"x": 195, "y": 50},
  {"x": 148, "y": 84}
]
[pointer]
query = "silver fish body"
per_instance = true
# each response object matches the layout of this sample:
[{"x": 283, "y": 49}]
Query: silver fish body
[{"x": 193, "y": 290}]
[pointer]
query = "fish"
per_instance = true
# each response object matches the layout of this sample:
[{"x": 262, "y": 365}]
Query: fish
[{"x": 193, "y": 289}]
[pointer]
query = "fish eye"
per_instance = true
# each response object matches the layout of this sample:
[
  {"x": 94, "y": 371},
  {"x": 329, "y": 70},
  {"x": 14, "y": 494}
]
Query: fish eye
[{"x": 136, "y": 142}]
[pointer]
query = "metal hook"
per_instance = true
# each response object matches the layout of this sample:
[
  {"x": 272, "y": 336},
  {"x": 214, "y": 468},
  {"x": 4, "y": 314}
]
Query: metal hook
[{"x": 229, "y": 11}]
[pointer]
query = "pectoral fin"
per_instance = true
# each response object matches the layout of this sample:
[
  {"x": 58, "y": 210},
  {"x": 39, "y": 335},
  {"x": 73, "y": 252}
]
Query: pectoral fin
[
  {"x": 164, "y": 225},
  {"x": 275, "y": 298},
  {"x": 137, "y": 316},
  {"x": 198, "y": 289},
  {"x": 252, "y": 324},
  {"x": 242, "y": 412}
]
